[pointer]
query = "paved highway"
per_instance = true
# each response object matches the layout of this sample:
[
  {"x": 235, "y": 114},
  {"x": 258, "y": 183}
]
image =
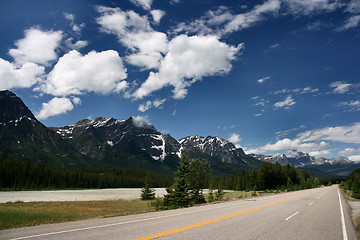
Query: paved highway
[{"x": 311, "y": 214}]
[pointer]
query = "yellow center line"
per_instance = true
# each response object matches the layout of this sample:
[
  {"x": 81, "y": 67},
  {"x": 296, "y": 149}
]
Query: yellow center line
[{"x": 213, "y": 220}]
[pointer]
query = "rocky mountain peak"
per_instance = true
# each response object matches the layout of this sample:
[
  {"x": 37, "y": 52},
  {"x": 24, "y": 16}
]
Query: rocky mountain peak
[{"x": 12, "y": 108}]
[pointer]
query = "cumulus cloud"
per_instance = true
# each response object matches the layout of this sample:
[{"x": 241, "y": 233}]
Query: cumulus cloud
[
  {"x": 37, "y": 47},
  {"x": 286, "y": 104},
  {"x": 157, "y": 15},
  {"x": 145, "y": 4},
  {"x": 189, "y": 59},
  {"x": 340, "y": 87},
  {"x": 135, "y": 33},
  {"x": 74, "y": 74},
  {"x": 321, "y": 153},
  {"x": 234, "y": 138},
  {"x": 23, "y": 77},
  {"x": 54, "y": 107},
  {"x": 149, "y": 104}
]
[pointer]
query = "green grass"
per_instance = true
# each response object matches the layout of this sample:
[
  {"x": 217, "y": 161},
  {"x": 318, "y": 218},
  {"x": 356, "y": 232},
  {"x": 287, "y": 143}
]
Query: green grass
[{"x": 20, "y": 214}]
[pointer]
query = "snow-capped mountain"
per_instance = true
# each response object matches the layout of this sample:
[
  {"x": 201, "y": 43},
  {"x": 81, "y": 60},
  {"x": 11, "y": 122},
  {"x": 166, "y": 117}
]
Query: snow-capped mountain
[
  {"x": 22, "y": 136},
  {"x": 215, "y": 147},
  {"x": 133, "y": 133},
  {"x": 340, "y": 166}
]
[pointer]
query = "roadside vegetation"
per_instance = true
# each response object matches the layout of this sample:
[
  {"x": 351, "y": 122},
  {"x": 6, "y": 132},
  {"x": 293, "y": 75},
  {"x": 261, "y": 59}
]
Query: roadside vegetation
[
  {"x": 20, "y": 214},
  {"x": 352, "y": 184}
]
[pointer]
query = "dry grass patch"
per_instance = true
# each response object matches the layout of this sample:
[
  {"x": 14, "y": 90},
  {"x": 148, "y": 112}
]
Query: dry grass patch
[{"x": 21, "y": 214}]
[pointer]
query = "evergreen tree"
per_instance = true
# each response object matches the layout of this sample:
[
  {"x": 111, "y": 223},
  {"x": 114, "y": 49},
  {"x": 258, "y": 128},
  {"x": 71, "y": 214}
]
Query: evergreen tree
[
  {"x": 147, "y": 193},
  {"x": 199, "y": 178},
  {"x": 178, "y": 194}
]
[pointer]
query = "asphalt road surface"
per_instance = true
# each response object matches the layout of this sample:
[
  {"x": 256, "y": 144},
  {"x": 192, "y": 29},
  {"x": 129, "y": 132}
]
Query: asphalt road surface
[{"x": 311, "y": 214}]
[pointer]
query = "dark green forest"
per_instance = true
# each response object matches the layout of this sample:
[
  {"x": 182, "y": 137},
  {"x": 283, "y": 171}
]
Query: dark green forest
[
  {"x": 269, "y": 177},
  {"x": 352, "y": 183},
  {"x": 22, "y": 175}
]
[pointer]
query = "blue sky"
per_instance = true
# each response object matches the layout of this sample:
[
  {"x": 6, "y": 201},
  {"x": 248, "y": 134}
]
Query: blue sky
[{"x": 270, "y": 76}]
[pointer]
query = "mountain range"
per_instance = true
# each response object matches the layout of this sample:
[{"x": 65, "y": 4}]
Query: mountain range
[
  {"x": 340, "y": 166},
  {"x": 130, "y": 143}
]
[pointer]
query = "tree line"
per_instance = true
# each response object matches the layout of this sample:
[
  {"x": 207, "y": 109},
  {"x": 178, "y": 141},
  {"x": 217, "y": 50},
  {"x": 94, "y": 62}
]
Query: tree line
[
  {"x": 352, "y": 183},
  {"x": 269, "y": 177},
  {"x": 23, "y": 175}
]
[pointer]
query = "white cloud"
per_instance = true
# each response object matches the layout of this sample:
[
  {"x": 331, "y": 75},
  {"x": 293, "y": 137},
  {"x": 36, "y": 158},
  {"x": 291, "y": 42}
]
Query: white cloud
[
  {"x": 37, "y": 47},
  {"x": 246, "y": 20},
  {"x": 340, "y": 87},
  {"x": 157, "y": 15},
  {"x": 54, "y": 107},
  {"x": 345, "y": 134},
  {"x": 144, "y": 107},
  {"x": 76, "y": 100},
  {"x": 287, "y": 103},
  {"x": 353, "y": 6},
  {"x": 141, "y": 122},
  {"x": 149, "y": 48},
  {"x": 314, "y": 140},
  {"x": 189, "y": 58},
  {"x": 135, "y": 33},
  {"x": 24, "y": 77},
  {"x": 351, "y": 106},
  {"x": 75, "y": 27},
  {"x": 149, "y": 104},
  {"x": 296, "y": 91},
  {"x": 288, "y": 144},
  {"x": 77, "y": 45},
  {"x": 321, "y": 153},
  {"x": 349, "y": 151},
  {"x": 262, "y": 80},
  {"x": 355, "y": 158},
  {"x": 306, "y": 7},
  {"x": 234, "y": 138},
  {"x": 222, "y": 21},
  {"x": 145, "y": 4},
  {"x": 351, "y": 22},
  {"x": 101, "y": 72}
]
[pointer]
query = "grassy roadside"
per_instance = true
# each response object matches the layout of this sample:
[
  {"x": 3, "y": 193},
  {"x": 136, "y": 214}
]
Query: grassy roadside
[{"x": 21, "y": 214}]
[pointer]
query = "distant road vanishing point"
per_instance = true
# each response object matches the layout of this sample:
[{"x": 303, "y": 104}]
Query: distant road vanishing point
[{"x": 319, "y": 213}]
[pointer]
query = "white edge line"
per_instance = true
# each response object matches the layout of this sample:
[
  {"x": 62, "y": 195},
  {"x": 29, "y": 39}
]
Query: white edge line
[
  {"x": 291, "y": 216},
  {"x": 342, "y": 219}
]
